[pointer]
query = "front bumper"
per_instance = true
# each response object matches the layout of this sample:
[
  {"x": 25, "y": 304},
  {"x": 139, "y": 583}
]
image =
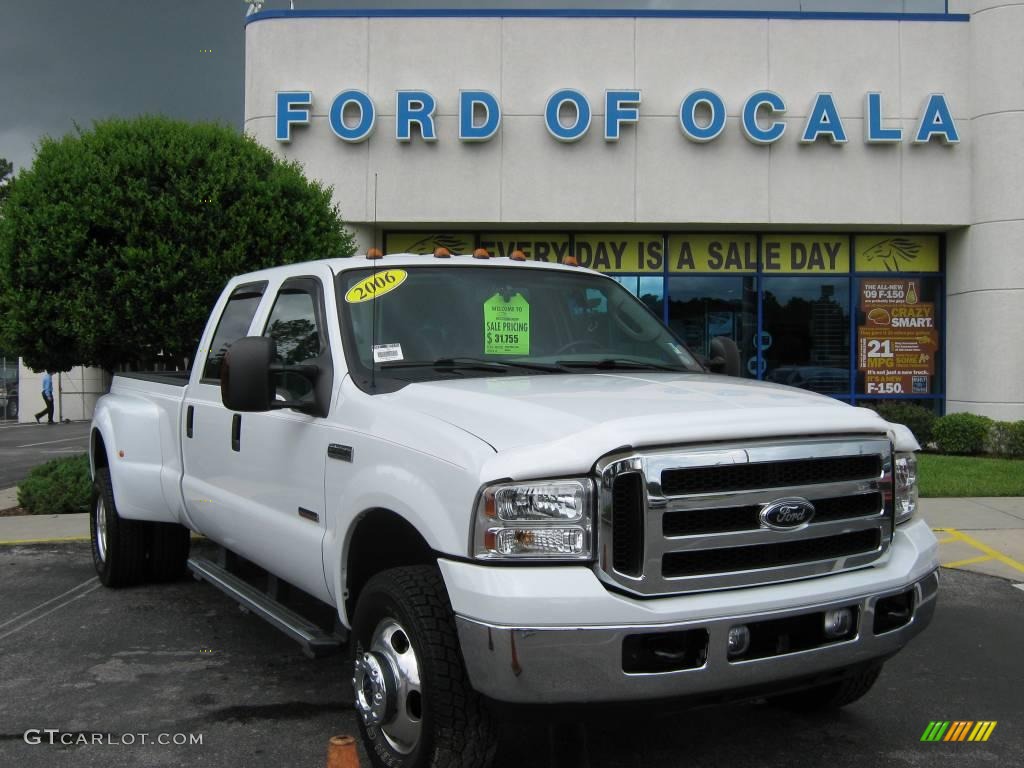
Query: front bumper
[
  {"x": 585, "y": 664},
  {"x": 583, "y": 661}
]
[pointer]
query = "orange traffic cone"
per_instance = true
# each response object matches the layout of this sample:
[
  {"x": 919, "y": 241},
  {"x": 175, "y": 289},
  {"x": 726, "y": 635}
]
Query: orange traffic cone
[{"x": 341, "y": 752}]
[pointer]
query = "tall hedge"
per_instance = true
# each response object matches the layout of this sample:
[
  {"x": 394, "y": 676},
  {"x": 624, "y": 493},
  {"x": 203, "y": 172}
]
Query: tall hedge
[{"x": 116, "y": 242}]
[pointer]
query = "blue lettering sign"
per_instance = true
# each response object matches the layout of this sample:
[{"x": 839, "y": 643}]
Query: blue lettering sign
[
  {"x": 876, "y": 134},
  {"x": 468, "y": 128},
  {"x": 367, "y": 116},
  {"x": 292, "y": 109},
  {"x": 824, "y": 121},
  {"x": 414, "y": 107},
  {"x": 752, "y": 129},
  {"x": 619, "y": 107},
  {"x": 573, "y": 132},
  {"x": 937, "y": 121},
  {"x": 688, "y": 118}
]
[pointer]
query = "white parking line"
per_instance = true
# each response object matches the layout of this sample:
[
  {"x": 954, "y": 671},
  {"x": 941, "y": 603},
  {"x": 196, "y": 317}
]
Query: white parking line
[
  {"x": 1020, "y": 586},
  {"x": 52, "y": 599},
  {"x": 51, "y": 442},
  {"x": 57, "y": 607}
]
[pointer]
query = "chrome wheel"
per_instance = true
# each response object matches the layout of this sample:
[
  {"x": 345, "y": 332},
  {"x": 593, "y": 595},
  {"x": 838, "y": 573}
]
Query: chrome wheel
[
  {"x": 387, "y": 687},
  {"x": 101, "y": 529}
]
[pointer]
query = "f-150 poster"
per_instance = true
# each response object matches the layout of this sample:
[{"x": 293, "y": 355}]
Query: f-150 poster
[{"x": 897, "y": 344}]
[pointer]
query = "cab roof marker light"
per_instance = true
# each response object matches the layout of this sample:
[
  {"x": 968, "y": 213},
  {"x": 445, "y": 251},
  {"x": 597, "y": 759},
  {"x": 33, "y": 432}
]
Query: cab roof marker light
[
  {"x": 481, "y": 253},
  {"x": 517, "y": 255},
  {"x": 442, "y": 253},
  {"x": 375, "y": 253},
  {"x": 570, "y": 260}
]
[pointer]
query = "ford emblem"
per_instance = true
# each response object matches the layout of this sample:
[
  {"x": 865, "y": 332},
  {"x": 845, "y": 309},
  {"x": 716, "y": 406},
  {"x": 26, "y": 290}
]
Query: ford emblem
[{"x": 787, "y": 514}]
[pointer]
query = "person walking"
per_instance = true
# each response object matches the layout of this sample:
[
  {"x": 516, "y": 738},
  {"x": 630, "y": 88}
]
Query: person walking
[{"x": 48, "y": 397}]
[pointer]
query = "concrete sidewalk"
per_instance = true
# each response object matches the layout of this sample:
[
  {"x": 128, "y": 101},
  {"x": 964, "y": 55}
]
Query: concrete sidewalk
[{"x": 981, "y": 535}]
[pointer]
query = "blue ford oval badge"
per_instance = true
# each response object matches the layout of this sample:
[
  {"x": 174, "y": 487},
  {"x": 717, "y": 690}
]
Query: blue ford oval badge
[{"x": 786, "y": 514}]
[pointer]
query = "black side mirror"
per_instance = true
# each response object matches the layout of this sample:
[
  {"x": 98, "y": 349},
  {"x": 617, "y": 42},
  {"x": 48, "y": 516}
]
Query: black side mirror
[
  {"x": 247, "y": 377},
  {"x": 246, "y": 383},
  {"x": 725, "y": 356}
]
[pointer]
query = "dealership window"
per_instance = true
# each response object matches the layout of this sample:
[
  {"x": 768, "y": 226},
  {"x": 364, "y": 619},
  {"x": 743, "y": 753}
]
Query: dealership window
[
  {"x": 701, "y": 308},
  {"x": 805, "y": 337},
  {"x": 856, "y": 317}
]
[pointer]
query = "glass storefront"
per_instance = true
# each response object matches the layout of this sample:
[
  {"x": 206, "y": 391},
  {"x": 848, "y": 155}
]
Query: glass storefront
[
  {"x": 857, "y": 317},
  {"x": 8, "y": 387}
]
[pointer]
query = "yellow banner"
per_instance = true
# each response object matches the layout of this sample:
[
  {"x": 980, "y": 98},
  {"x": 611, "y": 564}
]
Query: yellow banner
[
  {"x": 712, "y": 253},
  {"x": 625, "y": 252},
  {"x": 897, "y": 253},
  {"x": 426, "y": 242},
  {"x": 540, "y": 246},
  {"x": 809, "y": 254}
]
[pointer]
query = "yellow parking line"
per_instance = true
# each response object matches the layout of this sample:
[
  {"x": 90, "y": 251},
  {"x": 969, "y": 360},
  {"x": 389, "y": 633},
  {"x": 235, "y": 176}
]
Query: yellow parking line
[
  {"x": 994, "y": 554},
  {"x": 968, "y": 561},
  {"x": 12, "y": 542}
]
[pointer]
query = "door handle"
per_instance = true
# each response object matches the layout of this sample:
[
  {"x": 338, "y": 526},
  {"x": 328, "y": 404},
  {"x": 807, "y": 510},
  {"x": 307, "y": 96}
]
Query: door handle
[
  {"x": 188, "y": 421},
  {"x": 236, "y": 432}
]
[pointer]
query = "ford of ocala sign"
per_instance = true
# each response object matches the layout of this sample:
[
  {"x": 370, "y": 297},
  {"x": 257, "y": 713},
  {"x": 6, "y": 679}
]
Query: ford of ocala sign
[{"x": 567, "y": 115}]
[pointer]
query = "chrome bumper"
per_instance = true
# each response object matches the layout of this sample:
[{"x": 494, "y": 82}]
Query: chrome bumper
[{"x": 585, "y": 664}]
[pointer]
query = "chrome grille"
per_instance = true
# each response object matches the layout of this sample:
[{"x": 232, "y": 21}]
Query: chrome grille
[{"x": 689, "y": 520}]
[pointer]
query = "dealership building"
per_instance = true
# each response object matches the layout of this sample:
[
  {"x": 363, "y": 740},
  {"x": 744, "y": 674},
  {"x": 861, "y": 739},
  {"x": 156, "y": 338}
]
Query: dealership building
[{"x": 837, "y": 186}]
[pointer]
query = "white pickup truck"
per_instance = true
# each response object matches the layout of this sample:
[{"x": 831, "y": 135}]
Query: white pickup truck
[{"x": 507, "y": 481}]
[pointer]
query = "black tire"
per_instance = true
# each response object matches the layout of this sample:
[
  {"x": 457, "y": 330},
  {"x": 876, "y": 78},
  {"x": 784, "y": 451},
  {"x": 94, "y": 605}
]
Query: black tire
[
  {"x": 457, "y": 730},
  {"x": 169, "y": 545},
  {"x": 834, "y": 695},
  {"x": 119, "y": 549}
]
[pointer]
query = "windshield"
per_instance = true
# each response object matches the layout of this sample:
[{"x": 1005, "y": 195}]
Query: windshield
[{"x": 448, "y": 322}]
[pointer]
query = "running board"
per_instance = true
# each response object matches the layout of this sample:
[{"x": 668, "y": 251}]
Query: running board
[{"x": 314, "y": 640}]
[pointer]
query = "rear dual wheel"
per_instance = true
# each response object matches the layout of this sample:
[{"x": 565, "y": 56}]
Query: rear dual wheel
[{"x": 128, "y": 552}]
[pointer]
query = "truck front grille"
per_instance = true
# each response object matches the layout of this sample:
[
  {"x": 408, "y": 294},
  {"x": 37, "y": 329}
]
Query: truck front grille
[{"x": 675, "y": 521}]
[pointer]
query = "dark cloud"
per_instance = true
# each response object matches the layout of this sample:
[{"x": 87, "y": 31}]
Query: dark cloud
[{"x": 67, "y": 61}]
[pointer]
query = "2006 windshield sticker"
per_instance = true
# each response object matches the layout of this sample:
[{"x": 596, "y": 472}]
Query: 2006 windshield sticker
[
  {"x": 375, "y": 285},
  {"x": 506, "y": 325}
]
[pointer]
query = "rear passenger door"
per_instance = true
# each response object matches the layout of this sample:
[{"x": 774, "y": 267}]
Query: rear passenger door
[{"x": 206, "y": 424}]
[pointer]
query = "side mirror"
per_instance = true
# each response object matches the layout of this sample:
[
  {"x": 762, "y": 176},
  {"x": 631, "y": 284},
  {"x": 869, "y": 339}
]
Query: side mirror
[
  {"x": 725, "y": 356},
  {"x": 247, "y": 377},
  {"x": 246, "y": 383}
]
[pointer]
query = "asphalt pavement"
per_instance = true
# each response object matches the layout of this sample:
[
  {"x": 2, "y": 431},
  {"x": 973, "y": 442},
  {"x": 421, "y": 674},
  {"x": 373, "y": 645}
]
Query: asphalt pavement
[
  {"x": 180, "y": 661},
  {"x": 23, "y": 446}
]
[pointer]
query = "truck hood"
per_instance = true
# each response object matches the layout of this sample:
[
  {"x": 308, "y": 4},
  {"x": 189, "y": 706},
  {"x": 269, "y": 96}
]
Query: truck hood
[{"x": 566, "y": 422}]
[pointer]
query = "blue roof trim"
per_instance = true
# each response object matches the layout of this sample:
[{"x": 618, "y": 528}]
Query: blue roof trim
[{"x": 568, "y": 13}]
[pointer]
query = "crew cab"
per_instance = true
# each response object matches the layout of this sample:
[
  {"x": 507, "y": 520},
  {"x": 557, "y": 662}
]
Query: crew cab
[{"x": 508, "y": 481}]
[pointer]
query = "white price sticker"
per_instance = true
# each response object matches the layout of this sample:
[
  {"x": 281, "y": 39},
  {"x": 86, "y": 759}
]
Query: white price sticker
[{"x": 384, "y": 353}]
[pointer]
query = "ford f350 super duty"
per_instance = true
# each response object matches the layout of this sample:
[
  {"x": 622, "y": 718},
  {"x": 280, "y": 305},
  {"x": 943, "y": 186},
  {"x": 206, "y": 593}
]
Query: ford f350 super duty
[{"x": 507, "y": 481}]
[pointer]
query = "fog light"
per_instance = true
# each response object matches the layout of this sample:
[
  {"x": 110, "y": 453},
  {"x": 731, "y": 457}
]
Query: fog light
[
  {"x": 838, "y": 622},
  {"x": 739, "y": 640}
]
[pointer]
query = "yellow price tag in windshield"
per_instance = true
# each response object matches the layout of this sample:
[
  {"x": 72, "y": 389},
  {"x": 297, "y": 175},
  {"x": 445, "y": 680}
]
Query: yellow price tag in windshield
[{"x": 376, "y": 285}]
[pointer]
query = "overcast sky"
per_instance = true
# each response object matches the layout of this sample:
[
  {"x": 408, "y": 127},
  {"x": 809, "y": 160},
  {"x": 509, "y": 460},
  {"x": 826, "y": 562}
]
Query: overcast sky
[{"x": 66, "y": 61}]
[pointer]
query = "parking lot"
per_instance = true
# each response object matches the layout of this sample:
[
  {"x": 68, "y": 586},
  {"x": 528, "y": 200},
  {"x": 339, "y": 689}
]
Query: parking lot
[
  {"x": 182, "y": 659},
  {"x": 23, "y": 446}
]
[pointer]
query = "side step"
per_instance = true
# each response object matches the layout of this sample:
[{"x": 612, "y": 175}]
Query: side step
[{"x": 314, "y": 640}]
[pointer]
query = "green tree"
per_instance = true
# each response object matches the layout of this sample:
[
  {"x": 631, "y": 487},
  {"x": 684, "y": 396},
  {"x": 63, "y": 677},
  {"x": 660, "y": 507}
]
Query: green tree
[
  {"x": 6, "y": 171},
  {"x": 117, "y": 241}
]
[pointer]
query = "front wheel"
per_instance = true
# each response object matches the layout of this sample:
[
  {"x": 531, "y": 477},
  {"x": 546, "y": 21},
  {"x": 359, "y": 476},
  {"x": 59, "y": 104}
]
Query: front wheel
[{"x": 415, "y": 704}]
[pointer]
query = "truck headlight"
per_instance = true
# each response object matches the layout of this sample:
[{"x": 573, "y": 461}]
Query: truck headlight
[
  {"x": 906, "y": 486},
  {"x": 550, "y": 519}
]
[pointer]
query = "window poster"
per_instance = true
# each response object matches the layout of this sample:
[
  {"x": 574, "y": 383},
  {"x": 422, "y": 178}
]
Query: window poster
[{"x": 897, "y": 344}]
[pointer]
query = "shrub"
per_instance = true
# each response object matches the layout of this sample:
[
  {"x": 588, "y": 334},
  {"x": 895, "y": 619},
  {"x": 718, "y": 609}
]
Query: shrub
[
  {"x": 1005, "y": 438},
  {"x": 58, "y": 487},
  {"x": 919, "y": 419},
  {"x": 961, "y": 433}
]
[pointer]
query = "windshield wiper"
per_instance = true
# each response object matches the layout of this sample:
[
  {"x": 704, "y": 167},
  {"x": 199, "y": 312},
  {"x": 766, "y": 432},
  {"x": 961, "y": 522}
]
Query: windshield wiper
[
  {"x": 619, "y": 363},
  {"x": 474, "y": 364}
]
